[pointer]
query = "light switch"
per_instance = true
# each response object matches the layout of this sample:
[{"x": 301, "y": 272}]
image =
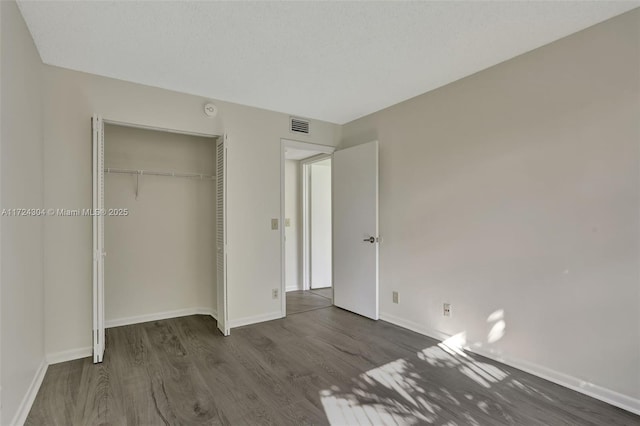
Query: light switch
[
  {"x": 274, "y": 224},
  {"x": 287, "y": 222}
]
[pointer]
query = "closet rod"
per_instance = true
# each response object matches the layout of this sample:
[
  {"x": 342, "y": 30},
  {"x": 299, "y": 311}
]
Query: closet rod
[{"x": 156, "y": 173}]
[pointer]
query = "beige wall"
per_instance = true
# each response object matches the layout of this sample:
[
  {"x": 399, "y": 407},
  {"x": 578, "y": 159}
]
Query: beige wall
[
  {"x": 517, "y": 189},
  {"x": 253, "y": 191},
  {"x": 254, "y": 264},
  {"x": 161, "y": 256},
  {"x": 21, "y": 276},
  {"x": 293, "y": 233}
]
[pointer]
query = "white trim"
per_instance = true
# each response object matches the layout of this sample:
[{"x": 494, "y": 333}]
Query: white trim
[
  {"x": 283, "y": 270},
  {"x": 78, "y": 353},
  {"x": 70, "y": 355},
  {"x": 308, "y": 146},
  {"x": 160, "y": 316},
  {"x": 25, "y": 406},
  {"x": 240, "y": 322},
  {"x": 159, "y": 129},
  {"x": 293, "y": 288},
  {"x": 590, "y": 389},
  {"x": 304, "y": 176},
  {"x": 410, "y": 325},
  {"x": 222, "y": 250}
]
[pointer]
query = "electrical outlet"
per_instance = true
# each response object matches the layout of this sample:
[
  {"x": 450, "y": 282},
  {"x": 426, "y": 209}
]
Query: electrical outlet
[
  {"x": 395, "y": 297},
  {"x": 274, "y": 293},
  {"x": 274, "y": 224},
  {"x": 446, "y": 309}
]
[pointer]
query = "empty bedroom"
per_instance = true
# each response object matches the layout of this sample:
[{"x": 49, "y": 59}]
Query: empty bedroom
[{"x": 324, "y": 213}]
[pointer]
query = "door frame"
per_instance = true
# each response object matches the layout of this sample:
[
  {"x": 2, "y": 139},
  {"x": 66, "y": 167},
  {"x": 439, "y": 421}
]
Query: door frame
[
  {"x": 305, "y": 173},
  {"x": 325, "y": 150},
  {"x": 98, "y": 304}
]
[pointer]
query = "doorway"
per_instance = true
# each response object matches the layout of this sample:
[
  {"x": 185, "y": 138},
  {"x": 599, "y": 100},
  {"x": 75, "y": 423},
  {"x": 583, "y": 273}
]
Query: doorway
[
  {"x": 354, "y": 237},
  {"x": 306, "y": 230}
]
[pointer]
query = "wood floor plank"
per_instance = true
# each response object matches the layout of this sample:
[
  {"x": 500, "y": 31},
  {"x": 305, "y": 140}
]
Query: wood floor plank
[
  {"x": 324, "y": 292},
  {"x": 321, "y": 366},
  {"x": 177, "y": 387},
  {"x": 61, "y": 383},
  {"x": 129, "y": 356},
  {"x": 222, "y": 374},
  {"x": 303, "y": 301}
]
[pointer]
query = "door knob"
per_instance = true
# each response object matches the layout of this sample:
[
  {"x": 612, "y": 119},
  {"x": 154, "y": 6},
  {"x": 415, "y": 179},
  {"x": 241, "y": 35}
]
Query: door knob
[{"x": 370, "y": 239}]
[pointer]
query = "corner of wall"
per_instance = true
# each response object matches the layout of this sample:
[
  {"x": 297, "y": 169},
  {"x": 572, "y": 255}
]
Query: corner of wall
[{"x": 22, "y": 292}]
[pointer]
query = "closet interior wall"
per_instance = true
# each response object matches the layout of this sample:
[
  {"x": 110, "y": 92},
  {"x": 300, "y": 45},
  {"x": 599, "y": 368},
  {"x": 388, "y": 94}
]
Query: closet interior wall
[{"x": 161, "y": 256}]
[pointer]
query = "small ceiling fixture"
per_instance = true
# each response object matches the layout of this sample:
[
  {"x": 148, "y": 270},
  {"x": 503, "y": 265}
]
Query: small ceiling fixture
[{"x": 210, "y": 110}]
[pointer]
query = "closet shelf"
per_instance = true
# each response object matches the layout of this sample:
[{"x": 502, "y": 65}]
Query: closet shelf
[{"x": 157, "y": 173}]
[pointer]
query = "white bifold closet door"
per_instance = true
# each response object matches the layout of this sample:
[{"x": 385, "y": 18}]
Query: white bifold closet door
[
  {"x": 221, "y": 233},
  {"x": 98, "y": 239}
]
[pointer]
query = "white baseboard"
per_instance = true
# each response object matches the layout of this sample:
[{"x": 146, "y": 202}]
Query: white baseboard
[
  {"x": 160, "y": 316},
  {"x": 595, "y": 391},
  {"x": 25, "y": 406},
  {"x": 239, "y": 322},
  {"x": 77, "y": 353},
  {"x": 293, "y": 288},
  {"x": 70, "y": 355}
]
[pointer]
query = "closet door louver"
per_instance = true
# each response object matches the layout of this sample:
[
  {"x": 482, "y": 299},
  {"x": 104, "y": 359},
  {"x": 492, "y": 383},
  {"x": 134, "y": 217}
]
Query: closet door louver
[
  {"x": 98, "y": 238},
  {"x": 221, "y": 233}
]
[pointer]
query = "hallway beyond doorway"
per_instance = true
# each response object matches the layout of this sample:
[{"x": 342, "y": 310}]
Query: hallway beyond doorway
[
  {"x": 324, "y": 292},
  {"x": 303, "y": 300}
]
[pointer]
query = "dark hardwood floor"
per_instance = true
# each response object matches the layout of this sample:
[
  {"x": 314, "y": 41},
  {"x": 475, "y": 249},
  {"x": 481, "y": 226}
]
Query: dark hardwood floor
[
  {"x": 303, "y": 301},
  {"x": 323, "y": 366},
  {"x": 324, "y": 292}
]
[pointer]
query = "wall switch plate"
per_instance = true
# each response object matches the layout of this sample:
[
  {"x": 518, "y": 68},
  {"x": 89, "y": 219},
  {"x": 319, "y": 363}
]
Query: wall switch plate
[
  {"x": 395, "y": 297},
  {"x": 274, "y": 293},
  {"x": 446, "y": 309},
  {"x": 274, "y": 224},
  {"x": 287, "y": 222}
]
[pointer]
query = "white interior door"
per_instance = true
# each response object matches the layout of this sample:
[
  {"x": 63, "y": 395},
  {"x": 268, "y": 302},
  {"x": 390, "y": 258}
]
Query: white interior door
[
  {"x": 98, "y": 239},
  {"x": 355, "y": 229},
  {"x": 221, "y": 233}
]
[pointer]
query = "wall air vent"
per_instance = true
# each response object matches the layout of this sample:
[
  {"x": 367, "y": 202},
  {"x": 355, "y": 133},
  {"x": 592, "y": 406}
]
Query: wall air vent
[{"x": 299, "y": 126}]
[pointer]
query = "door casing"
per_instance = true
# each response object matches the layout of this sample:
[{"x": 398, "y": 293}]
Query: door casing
[{"x": 284, "y": 144}]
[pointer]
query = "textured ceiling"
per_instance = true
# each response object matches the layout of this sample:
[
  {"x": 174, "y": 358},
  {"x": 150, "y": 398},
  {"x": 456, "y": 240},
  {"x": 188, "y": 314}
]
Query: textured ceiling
[{"x": 332, "y": 61}]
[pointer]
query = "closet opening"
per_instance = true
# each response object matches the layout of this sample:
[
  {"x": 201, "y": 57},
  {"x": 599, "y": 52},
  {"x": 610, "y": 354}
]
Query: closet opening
[{"x": 161, "y": 197}]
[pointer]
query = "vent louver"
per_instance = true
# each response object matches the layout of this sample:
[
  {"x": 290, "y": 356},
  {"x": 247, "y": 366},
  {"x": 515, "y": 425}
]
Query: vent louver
[{"x": 299, "y": 126}]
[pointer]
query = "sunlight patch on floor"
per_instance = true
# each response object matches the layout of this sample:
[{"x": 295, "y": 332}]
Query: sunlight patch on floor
[
  {"x": 450, "y": 353},
  {"x": 398, "y": 392},
  {"x": 405, "y": 392},
  {"x": 410, "y": 400}
]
